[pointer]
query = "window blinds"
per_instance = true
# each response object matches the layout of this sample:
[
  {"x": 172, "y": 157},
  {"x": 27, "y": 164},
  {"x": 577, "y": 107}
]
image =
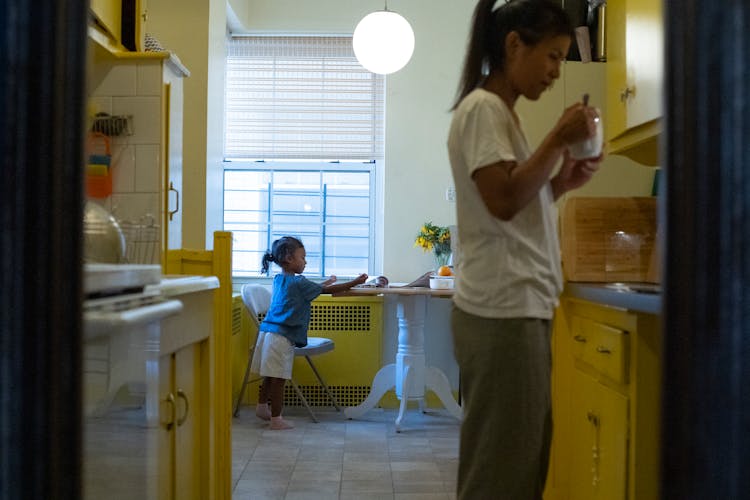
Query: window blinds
[{"x": 301, "y": 98}]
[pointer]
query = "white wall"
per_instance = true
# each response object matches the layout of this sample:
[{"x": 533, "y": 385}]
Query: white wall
[
  {"x": 418, "y": 98},
  {"x": 416, "y": 171},
  {"x": 417, "y": 102}
]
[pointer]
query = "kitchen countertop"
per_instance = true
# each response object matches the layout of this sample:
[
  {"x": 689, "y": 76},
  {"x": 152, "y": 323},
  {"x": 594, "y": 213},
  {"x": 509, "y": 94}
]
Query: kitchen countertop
[
  {"x": 179, "y": 284},
  {"x": 618, "y": 295}
]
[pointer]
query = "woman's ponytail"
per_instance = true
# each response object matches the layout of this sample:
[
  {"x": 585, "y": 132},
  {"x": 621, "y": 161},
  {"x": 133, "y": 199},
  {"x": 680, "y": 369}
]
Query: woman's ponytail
[{"x": 481, "y": 36}]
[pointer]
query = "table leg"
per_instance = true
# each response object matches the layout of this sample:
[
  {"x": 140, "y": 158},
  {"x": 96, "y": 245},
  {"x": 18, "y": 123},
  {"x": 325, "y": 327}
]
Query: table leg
[
  {"x": 409, "y": 375},
  {"x": 436, "y": 381},
  {"x": 384, "y": 381}
]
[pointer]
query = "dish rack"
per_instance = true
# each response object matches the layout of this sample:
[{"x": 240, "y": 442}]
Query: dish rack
[{"x": 141, "y": 240}]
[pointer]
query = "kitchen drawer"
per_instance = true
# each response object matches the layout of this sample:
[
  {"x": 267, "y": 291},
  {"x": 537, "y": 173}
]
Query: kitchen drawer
[{"x": 601, "y": 346}]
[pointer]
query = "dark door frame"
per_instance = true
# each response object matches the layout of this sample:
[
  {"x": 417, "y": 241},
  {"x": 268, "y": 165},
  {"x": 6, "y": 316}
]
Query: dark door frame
[
  {"x": 706, "y": 209},
  {"x": 42, "y": 88},
  {"x": 706, "y": 155}
]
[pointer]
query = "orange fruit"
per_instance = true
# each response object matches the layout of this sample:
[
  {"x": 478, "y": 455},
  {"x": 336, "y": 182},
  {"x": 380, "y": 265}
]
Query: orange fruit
[{"x": 445, "y": 271}]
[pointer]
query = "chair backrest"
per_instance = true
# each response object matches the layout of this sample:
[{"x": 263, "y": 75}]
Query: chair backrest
[{"x": 257, "y": 300}]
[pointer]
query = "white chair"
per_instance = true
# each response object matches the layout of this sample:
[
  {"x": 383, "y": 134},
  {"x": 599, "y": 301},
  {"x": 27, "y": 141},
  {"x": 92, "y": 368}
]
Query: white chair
[{"x": 257, "y": 300}]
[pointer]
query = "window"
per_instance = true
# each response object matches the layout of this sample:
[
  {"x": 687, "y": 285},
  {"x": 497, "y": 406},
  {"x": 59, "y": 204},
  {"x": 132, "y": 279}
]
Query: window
[{"x": 304, "y": 137}]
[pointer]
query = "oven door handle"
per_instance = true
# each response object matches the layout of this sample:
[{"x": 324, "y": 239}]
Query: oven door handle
[{"x": 98, "y": 323}]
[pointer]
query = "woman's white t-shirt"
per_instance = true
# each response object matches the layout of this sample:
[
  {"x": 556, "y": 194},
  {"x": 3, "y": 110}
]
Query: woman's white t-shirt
[{"x": 507, "y": 269}]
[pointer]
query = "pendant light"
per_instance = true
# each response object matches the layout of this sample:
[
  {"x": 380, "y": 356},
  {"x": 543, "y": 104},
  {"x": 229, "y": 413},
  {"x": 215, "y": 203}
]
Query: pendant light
[{"x": 383, "y": 41}]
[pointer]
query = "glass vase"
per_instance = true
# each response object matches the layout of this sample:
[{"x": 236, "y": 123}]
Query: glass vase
[{"x": 441, "y": 258}]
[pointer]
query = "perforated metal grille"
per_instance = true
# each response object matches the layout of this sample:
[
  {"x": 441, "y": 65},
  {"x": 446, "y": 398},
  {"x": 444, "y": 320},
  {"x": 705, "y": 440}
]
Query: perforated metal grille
[
  {"x": 346, "y": 395},
  {"x": 337, "y": 318},
  {"x": 340, "y": 317},
  {"x": 354, "y": 324},
  {"x": 237, "y": 306}
]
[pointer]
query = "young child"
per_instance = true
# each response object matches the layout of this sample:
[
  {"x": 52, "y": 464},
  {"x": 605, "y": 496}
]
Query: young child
[
  {"x": 509, "y": 276},
  {"x": 285, "y": 324}
]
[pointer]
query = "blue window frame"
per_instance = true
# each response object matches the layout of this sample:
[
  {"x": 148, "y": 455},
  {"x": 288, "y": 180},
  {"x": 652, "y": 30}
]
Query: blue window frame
[{"x": 328, "y": 206}]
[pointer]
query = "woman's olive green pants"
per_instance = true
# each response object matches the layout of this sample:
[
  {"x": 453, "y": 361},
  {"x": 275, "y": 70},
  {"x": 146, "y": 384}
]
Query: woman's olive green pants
[{"x": 505, "y": 367}]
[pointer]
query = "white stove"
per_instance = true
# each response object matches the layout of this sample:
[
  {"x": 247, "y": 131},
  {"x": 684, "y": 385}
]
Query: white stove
[
  {"x": 117, "y": 298},
  {"x": 131, "y": 320},
  {"x": 122, "y": 313}
]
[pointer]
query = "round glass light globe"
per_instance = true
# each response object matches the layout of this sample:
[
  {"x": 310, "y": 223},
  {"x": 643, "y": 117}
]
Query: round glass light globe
[{"x": 383, "y": 42}]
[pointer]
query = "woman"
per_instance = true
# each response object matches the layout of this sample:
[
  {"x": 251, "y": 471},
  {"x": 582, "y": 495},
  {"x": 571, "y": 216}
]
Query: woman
[{"x": 509, "y": 276}]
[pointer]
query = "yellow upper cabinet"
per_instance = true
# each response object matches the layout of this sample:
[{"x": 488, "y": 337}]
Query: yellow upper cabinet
[
  {"x": 635, "y": 62},
  {"x": 119, "y": 24},
  {"x": 108, "y": 15}
]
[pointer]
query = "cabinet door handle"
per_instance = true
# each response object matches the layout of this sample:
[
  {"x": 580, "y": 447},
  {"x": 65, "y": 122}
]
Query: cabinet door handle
[
  {"x": 177, "y": 198},
  {"x": 593, "y": 418},
  {"x": 173, "y": 411},
  {"x": 626, "y": 94},
  {"x": 580, "y": 338},
  {"x": 183, "y": 396},
  {"x": 603, "y": 350}
]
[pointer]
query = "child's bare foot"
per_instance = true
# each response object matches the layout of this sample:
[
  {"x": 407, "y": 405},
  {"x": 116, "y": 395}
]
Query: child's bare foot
[
  {"x": 279, "y": 424},
  {"x": 262, "y": 411}
]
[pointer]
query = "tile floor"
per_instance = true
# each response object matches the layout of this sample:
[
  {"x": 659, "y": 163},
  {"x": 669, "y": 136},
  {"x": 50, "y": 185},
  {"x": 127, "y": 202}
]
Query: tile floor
[{"x": 345, "y": 459}]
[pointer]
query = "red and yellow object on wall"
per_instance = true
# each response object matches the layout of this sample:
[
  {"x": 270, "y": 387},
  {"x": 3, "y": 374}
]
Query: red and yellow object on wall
[{"x": 98, "y": 166}]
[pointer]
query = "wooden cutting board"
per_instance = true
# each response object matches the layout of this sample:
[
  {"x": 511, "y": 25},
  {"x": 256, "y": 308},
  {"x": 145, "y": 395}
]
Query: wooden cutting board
[{"x": 609, "y": 239}]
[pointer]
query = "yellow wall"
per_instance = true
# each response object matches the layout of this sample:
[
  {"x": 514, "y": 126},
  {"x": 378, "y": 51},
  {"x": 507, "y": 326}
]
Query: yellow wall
[{"x": 195, "y": 31}]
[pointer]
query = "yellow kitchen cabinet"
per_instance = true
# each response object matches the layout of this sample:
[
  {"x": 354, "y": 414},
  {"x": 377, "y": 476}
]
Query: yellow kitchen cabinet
[
  {"x": 184, "y": 440},
  {"x": 598, "y": 427},
  {"x": 183, "y": 450},
  {"x": 635, "y": 60},
  {"x": 218, "y": 263},
  {"x": 108, "y": 16},
  {"x": 606, "y": 385},
  {"x": 119, "y": 24}
]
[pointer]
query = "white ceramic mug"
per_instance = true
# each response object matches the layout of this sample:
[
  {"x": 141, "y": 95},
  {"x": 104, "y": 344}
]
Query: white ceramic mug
[{"x": 591, "y": 147}]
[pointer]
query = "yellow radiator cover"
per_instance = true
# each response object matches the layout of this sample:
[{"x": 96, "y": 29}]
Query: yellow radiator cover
[{"x": 355, "y": 324}]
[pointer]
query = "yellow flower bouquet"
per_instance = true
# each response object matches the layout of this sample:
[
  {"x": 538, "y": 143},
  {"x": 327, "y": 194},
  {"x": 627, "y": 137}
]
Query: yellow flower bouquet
[{"x": 436, "y": 239}]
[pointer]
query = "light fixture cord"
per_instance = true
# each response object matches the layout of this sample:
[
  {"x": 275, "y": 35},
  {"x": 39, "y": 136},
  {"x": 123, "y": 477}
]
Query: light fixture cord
[{"x": 386, "y": 5}]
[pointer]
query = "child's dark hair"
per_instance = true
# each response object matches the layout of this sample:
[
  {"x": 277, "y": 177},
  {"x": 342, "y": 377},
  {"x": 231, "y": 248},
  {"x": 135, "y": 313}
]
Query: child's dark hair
[
  {"x": 281, "y": 249},
  {"x": 533, "y": 20}
]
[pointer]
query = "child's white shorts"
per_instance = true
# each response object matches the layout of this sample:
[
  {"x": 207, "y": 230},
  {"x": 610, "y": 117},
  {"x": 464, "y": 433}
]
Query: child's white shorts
[{"x": 273, "y": 356}]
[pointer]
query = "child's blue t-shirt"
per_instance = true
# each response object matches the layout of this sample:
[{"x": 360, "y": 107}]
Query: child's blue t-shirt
[{"x": 289, "y": 314}]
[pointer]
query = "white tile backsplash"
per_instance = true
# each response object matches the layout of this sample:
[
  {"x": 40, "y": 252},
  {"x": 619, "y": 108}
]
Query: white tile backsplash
[
  {"x": 135, "y": 206},
  {"x": 135, "y": 89},
  {"x": 120, "y": 80},
  {"x": 147, "y": 178},
  {"x": 123, "y": 168},
  {"x": 100, "y": 104},
  {"x": 146, "y": 113},
  {"x": 149, "y": 79}
]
